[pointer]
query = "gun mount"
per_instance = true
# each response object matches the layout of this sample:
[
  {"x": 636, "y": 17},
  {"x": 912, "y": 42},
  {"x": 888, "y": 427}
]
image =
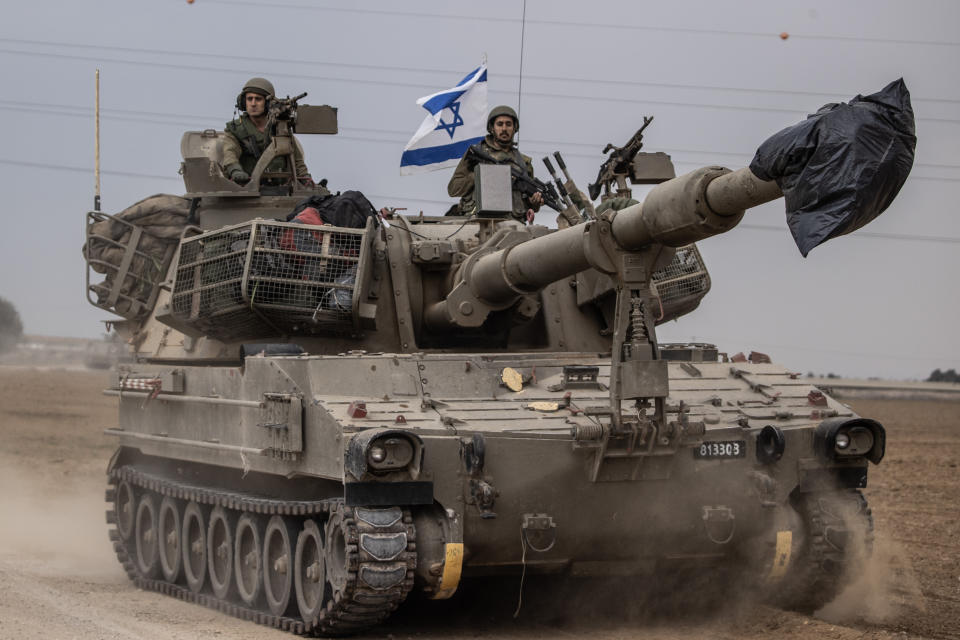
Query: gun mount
[
  {"x": 202, "y": 153},
  {"x": 629, "y": 163}
]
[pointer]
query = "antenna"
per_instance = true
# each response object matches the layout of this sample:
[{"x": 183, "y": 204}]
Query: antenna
[
  {"x": 96, "y": 144},
  {"x": 523, "y": 30}
]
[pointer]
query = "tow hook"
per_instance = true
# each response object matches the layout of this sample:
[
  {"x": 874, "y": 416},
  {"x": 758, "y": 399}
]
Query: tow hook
[
  {"x": 719, "y": 523},
  {"x": 539, "y": 531}
]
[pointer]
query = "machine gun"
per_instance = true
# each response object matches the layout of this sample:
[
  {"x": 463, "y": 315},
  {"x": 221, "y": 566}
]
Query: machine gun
[
  {"x": 283, "y": 110},
  {"x": 527, "y": 184},
  {"x": 284, "y": 117},
  {"x": 627, "y": 162}
]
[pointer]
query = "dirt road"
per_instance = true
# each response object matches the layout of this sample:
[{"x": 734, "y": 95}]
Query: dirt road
[{"x": 60, "y": 579}]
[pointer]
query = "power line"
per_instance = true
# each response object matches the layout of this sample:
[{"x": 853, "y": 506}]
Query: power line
[
  {"x": 865, "y": 234},
  {"x": 63, "y": 167},
  {"x": 155, "y": 176},
  {"x": 193, "y": 67},
  {"x": 594, "y": 81},
  {"x": 579, "y": 24},
  {"x": 191, "y": 120},
  {"x": 535, "y": 150},
  {"x": 446, "y": 72},
  {"x": 759, "y": 34},
  {"x": 131, "y": 174},
  {"x": 224, "y": 56}
]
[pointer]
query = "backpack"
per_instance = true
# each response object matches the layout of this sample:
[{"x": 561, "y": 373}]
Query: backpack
[{"x": 347, "y": 209}]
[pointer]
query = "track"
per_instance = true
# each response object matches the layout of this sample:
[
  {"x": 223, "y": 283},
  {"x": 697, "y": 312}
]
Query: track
[
  {"x": 839, "y": 542},
  {"x": 317, "y": 567}
]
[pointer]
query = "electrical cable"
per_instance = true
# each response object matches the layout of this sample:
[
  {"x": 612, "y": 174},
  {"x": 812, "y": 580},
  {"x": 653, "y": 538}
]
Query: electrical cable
[
  {"x": 194, "y": 121},
  {"x": 619, "y": 83}
]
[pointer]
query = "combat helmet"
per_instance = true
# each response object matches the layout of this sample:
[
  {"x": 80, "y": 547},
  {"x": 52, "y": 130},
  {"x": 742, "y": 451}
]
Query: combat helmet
[
  {"x": 260, "y": 86},
  {"x": 502, "y": 110}
]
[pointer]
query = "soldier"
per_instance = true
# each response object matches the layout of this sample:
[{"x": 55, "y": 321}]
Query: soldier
[
  {"x": 247, "y": 136},
  {"x": 502, "y": 125}
]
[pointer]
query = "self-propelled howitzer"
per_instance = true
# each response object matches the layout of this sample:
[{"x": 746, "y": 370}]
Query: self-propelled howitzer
[{"x": 322, "y": 419}]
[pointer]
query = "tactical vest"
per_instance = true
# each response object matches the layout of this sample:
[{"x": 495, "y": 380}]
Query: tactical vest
[{"x": 253, "y": 143}]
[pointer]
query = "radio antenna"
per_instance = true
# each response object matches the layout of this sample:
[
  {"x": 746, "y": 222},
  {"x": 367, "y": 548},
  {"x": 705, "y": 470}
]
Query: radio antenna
[
  {"x": 96, "y": 144},
  {"x": 523, "y": 31}
]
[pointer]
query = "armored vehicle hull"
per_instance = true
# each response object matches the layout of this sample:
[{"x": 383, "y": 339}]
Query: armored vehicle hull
[{"x": 236, "y": 510}]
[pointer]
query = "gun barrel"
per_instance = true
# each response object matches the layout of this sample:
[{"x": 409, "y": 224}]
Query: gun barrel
[
  {"x": 561, "y": 163},
  {"x": 692, "y": 207}
]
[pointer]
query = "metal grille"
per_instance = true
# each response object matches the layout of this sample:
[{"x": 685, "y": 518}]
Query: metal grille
[
  {"x": 132, "y": 261},
  {"x": 261, "y": 279},
  {"x": 681, "y": 284}
]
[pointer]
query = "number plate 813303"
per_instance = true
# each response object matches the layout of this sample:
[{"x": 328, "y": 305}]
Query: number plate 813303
[{"x": 721, "y": 449}]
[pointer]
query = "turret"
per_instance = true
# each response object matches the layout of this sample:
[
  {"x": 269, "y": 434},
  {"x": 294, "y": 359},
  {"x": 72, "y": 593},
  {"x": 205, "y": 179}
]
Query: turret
[
  {"x": 686, "y": 209},
  {"x": 483, "y": 284}
]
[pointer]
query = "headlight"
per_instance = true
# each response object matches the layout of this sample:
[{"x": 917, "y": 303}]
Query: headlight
[
  {"x": 381, "y": 451},
  {"x": 837, "y": 439},
  {"x": 856, "y": 441},
  {"x": 842, "y": 441},
  {"x": 393, "y": 452}
]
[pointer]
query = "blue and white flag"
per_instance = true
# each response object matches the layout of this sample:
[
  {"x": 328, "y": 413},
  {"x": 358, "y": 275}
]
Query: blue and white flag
[{"x": 458, "y": 119}]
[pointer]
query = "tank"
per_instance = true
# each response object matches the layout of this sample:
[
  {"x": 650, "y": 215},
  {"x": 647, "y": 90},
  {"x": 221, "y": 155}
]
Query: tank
[{"x": 323, "y": 419}]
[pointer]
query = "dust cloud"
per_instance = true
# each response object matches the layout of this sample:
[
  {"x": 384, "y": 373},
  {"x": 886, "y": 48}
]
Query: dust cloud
[
  {"x": 55, "y": 524},
  {"x": 885, "y": 590}
]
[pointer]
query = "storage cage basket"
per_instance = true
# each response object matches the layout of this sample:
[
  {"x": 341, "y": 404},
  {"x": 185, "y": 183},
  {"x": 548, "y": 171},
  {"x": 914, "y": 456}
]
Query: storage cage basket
[
  {"x": 133, "y": 263},
  {"x": 681, "y": 284},
  {"x": 263, "y": 278}
]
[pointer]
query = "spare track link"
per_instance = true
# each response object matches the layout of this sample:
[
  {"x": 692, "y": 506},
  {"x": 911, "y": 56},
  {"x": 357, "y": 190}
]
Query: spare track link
[{"x": 356, "y": 607}]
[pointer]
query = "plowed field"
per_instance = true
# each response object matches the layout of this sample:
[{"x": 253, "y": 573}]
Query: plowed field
[{"x": 60, "y": 579}]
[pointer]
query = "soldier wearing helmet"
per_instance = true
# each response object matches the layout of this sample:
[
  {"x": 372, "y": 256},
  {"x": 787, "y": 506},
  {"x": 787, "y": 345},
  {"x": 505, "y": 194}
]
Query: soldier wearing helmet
[
  {"x": 248, "y": 136},
  {"x": 502, "y": 125}
]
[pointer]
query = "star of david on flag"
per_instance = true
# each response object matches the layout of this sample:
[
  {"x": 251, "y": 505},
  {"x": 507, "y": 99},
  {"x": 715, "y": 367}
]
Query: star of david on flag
[{"x": 456, "y": 120}]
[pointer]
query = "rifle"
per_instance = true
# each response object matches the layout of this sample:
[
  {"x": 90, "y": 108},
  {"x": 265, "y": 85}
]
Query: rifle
[
  {"x": 570, "y": 213},
  {"x": 617, "y": 167},
  {"x": 573, "y": 189},
  {"x": 526, "y": 184}
]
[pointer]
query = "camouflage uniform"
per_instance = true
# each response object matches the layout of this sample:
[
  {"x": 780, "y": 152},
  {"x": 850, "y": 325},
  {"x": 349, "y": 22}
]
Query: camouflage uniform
[
  {"x": 244, "y": 144},
  {"x": 462, "y": 183}
]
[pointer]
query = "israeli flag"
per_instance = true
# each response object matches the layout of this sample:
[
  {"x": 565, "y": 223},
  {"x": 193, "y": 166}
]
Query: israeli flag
[{"x": 457, "y": 120}]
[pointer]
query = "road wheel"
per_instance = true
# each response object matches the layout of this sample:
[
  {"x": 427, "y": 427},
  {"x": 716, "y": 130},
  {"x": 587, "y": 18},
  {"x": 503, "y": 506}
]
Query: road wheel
[
  {"x": 194, "y": 538},
  {"x": 248, "y": 558},
  {"x": 168, "y": 528},
  {"x": 125, "y": 507},
  {"x": 220, "y": 551},
  {"x": 278, "y": 557},
  {"x": 337, "y": 548},
  {"x": 309, "y": 575},
  {"x": 148, "y": 548}
]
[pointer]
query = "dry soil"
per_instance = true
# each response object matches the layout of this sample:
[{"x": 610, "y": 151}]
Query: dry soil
[{"x": 60, "y": 579}]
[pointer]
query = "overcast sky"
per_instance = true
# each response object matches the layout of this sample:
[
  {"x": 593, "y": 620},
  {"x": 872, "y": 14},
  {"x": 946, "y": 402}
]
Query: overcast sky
[{"x": 718, "y": 78}]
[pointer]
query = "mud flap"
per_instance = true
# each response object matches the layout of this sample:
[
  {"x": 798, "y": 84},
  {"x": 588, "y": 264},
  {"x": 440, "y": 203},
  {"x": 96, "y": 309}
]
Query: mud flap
[
  {"x": 782, "y": 555},
  {"x": 452, "y": 566}
]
